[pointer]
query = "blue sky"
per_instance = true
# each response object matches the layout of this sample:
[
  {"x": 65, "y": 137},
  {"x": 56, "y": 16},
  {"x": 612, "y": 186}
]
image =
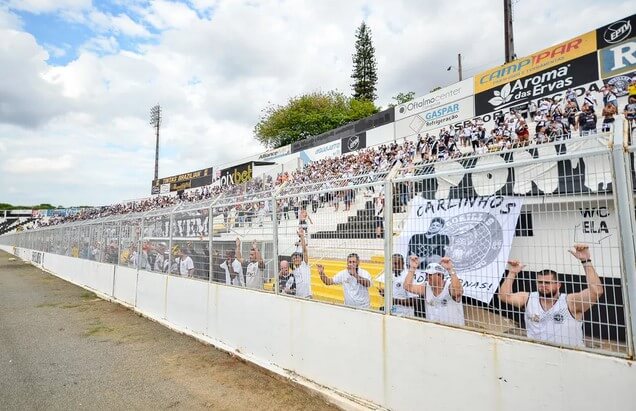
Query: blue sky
[{"x": 78, "y": 78}]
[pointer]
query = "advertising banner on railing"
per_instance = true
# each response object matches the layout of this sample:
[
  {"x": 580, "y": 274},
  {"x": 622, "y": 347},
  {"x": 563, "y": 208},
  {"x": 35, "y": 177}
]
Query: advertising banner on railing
[
  {"x": 540, "y": 61},
  {"x": 476, "y": 233},
  {"x": 183, "y": 181},
  {"x": 332, "y": 149},
  {"x": 440, "y": 117},
  {"x": 354, "y": 143},
  {"x": 435, "y": 99},
  {"x": 569, "y": 74}
]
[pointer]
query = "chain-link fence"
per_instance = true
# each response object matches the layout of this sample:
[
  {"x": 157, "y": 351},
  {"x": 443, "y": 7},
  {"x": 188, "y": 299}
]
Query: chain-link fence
[{"x": 527, "y": 242}]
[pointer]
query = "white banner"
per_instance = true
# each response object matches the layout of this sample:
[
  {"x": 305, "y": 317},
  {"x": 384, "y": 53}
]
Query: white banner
[
  {"x": 275, "y": 153},
  {"x": 436, "y": 99},
  {"x": 476, "y": 233},
  {"x": 321, "y": 152},
  {"x": 444, "y": 116}
]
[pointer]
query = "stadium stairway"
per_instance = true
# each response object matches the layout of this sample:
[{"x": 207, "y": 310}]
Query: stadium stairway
[
  {"x": 360, "y": 225},
  {"x": 11, "y": 225}
]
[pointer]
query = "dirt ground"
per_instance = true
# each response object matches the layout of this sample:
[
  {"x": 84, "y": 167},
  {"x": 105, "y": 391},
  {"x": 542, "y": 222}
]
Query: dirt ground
[{"x": 61, "y": 347}]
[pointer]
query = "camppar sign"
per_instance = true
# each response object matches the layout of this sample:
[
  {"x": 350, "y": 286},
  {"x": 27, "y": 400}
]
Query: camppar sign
[{"x": 550, "y": 57}]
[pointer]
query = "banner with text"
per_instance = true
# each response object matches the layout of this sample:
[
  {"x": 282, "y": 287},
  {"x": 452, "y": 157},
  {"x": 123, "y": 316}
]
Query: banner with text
[
  {"x": 541, "y": 60},
  {"x": 444, "y": 116},
  {"x": 476, "y": 233},
  {"x": 435, "y": 99}
]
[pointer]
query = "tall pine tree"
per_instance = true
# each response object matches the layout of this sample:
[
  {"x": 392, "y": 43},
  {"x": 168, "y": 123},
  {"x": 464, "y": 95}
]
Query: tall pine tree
[{"x": 365, "y": 74}]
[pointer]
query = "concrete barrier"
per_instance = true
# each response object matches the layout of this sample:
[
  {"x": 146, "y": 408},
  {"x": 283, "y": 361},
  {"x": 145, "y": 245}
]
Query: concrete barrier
[{"x": 365, "y": 357}]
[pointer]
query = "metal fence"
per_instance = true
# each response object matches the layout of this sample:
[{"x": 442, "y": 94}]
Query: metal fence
[{"x": 535, "y": 242}]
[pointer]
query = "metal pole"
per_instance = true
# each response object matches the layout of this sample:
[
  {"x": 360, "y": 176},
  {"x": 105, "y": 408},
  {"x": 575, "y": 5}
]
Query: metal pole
[
  {"x": 388, "y": 245},
  {"x": 170, "y": 241},
  {"x": 275, "y": 243},
  {"x": 210, "y": 229},
  {"x": 624, "y": 208},
  {"x": 459, "y": 65},
  {"x": 508, "y": 32}
]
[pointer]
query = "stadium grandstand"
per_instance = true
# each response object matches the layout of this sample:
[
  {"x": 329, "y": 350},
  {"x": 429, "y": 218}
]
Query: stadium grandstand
[{"x": 488, "y": 231}]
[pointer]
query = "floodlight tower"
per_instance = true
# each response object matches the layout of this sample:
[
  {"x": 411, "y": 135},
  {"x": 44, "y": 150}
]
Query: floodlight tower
[
  {"x": 155, "y": 121},
  {"x": 508, "y": 32}
]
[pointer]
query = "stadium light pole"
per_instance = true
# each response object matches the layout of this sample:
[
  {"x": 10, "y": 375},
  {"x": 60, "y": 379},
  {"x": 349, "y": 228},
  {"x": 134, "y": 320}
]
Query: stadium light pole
[
  {"x": 459, "y": 67},
  {"x": 155, "y": 121},
  {"x": 508, "y": 33}
]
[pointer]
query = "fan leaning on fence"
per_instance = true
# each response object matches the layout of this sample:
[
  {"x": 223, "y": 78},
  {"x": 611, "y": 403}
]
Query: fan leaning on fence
[{"x": 549, "y": 314}]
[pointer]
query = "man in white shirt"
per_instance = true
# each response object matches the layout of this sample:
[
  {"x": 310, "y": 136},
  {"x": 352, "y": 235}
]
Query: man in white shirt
[
  {"x": 549, "y": 314},
  {"x": 254, "y": 268},
  {"x": 403, "y": 301},
  {"x": 186, "y": 265},
  {"x": 443, "y": 297},
  {"x": 233, "y": 268},
  {"x": 355, "y": 282},
  {"x": 300, "y": 268}
]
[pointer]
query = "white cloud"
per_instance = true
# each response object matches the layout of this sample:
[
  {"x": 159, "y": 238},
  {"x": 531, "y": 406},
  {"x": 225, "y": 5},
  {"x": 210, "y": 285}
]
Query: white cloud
[
  {"x": 37, "y": 165},
  {"x": 47, "y": 6},
  {"x": 214, "y": 65},
  {"x": 102, "y": 44}
]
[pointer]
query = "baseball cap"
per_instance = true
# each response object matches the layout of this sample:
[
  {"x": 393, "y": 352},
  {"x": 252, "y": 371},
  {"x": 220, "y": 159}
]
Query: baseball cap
[{"x": 434, "y": 268}]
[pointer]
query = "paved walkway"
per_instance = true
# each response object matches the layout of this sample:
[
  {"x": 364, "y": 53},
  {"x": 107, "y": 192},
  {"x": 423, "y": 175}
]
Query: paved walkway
[{"x": 63, "y": 348}]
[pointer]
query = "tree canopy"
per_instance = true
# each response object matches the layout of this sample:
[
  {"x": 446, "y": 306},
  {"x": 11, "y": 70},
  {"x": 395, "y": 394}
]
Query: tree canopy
[
  {"x": 308, "y": 115},
  {"x": 402, "y": 98},
  {"x": 365, "y": 71}
]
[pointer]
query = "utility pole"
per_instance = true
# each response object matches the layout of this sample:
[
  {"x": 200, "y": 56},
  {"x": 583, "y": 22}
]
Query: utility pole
[
  {"x": 459, "y": 66},
  {"x": 155, "y": 121},
  {"x": 508, "y": 36}
]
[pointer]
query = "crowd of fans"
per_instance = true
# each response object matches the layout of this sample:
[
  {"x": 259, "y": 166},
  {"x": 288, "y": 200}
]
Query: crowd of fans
[{"x": 540, "y": 122}]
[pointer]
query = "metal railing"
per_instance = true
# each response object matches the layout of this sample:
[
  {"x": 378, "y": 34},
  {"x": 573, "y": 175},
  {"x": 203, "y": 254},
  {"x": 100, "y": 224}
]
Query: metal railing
[{"x": 479, "y": 242}]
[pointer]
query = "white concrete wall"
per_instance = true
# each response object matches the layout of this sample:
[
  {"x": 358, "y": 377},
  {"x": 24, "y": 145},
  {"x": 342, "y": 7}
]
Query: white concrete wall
[{"x": 397, "y": 363}]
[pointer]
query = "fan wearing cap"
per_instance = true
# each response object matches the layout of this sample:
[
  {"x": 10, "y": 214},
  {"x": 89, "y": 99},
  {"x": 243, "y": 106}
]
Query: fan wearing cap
[
  {"x": 443, "y": 297},
  {"x": 300, "y": 268},
  {"x": 355, "y": 282}
]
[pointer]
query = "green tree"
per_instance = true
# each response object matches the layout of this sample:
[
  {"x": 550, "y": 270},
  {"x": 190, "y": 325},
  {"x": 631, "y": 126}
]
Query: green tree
[
  {"x": 308, "y": 115},
  {"x": 402, "y": 98},
  {"x": 365, "y": 71},
  {"x": 436, "y": 88}
]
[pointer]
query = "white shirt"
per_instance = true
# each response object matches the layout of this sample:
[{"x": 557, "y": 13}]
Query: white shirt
[
  {"x": 253, "y": 276},
  {"x": 443, "y": 308},
  {"x": 355, "y": 294},
  {"x": 557, "y": 325},
  {"x": 185, "y": 264},
  {"x": 400, "y": 293},
  {"x": 302, "y": 274},
  {"x": 236, "y": 266}
]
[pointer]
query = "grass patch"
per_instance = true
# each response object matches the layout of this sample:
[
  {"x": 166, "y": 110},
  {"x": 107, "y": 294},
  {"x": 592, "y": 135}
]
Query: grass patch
[
  {"x": 87, "y": 295},
  {"x": 98, "y": 329},
  {"x": 47, "y": 305}
]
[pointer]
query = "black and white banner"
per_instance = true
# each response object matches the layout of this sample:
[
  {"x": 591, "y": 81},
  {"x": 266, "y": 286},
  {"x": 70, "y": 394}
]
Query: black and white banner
[
  {"x": 571, "y": 74},
  {"x": 476, "y": 233},
  {"x": 354, "y": 143}
]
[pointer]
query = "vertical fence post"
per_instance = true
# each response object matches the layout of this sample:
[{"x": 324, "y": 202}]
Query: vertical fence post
[
  {"x": 210, "y": 233},
  {"x": 623, "y": 197},
  {"x": 275, "y": 242},
  {"x": 388, "y": 245},
  {"x": 170, "y": 222}
]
